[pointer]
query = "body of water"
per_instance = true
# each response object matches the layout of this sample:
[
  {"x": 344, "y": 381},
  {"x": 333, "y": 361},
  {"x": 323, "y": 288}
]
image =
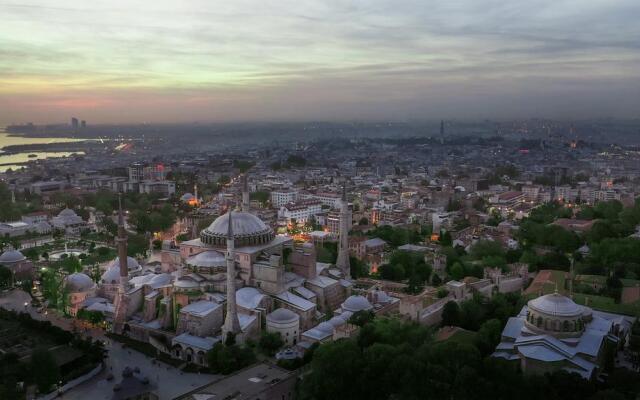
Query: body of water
[{"x": 12, "y": 160}]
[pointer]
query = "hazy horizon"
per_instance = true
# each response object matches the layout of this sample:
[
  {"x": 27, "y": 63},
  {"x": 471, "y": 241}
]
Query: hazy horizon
[{"x": 176, "y": 62}]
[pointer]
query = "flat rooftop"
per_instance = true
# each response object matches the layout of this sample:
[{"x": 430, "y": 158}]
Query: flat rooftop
[{"x": 244, "y": 384}]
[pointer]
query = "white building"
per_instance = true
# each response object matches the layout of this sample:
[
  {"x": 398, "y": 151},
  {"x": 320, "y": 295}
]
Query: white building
[
  {"x": 281, "y": 197},
  {"x": 69, "y": 222},
  {"x": 301, "y": 211},
  {"x": 286, "y": 323}
]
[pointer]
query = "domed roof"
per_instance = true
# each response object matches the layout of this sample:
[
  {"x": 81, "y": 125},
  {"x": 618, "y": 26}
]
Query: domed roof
[
  {"x": 187, "y": 197},
  {"x": 248, "y": 230},
  {"x": 356, "y": 303},
  {"x": 338, "y": 320},
  {"x": 132, "y": 264},
  {"x": 283, "y": 315},
  {"x": 248, "y": 297},
  {"x": 112, "y": 274},
  {"x": 555, "y": 305},
  {"x": 381, "y": 296},
  {"x": 210, "y": 258},
  {"x": 325, "y": 327},
  {"x": 67, "y": 212},
  {"x": 160, "y": 280},
  {"x": 12, "y": 256},
  {"x": 79, "y": 282}
]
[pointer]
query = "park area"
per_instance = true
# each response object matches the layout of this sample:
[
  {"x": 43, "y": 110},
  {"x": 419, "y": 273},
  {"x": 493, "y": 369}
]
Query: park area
[
  {"x": 548, "y": 281},
  {"x": 35, "y": 355}
]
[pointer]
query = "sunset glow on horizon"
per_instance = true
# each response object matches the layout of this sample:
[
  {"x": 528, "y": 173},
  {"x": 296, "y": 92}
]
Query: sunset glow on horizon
[{"x": 166, "y": 61}]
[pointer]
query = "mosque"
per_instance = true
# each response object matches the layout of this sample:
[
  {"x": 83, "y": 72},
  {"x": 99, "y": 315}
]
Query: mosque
[
  {"x": 237, "y": 278},
  {"x": 553, "y": 332}
]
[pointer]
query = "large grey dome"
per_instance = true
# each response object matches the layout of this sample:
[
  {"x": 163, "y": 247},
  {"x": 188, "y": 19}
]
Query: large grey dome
[
  {"x": 555, "y": 305},
  {"x": 248, "y": 230}
]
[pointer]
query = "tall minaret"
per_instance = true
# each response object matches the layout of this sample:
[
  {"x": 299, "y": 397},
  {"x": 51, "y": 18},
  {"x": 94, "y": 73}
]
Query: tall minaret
[
  {"x": 343, "y": 245},
  {"x": 121, "y": 242},
  {"x": 121, "y": 301},
  {"x": 245, "y": 193},
  {"x": 231, "y": 322},
  {"x": 195, "y": 193}
]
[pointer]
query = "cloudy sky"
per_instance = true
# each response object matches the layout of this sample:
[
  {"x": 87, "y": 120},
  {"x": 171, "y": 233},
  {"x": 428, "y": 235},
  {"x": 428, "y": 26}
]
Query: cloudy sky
[{"x": 221, "y": 60}]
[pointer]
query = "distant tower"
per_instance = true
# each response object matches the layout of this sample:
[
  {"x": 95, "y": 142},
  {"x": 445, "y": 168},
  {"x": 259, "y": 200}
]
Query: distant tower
[
  {"x": 74, "y": 123},
  {"x": 120, "y": 316},
  {"x": 83, "y": 124},
  {"x": 231, "y": 322},
  {"x": 442, "y": 131},
  {"x": 343, "y": 245},
  {"x": 245, "y": 193},
  {"x": 195, "y": 193},
  {"x": 13, "y": 196}
]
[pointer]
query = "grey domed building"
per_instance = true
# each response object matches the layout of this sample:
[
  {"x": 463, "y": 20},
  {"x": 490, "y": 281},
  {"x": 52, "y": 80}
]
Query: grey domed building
[
  {"x": 18, "y": 264},
  {"x": 80, "y": 287},
  {"x": 553, "y": 332},
  {"x": 258, "y": 251}
]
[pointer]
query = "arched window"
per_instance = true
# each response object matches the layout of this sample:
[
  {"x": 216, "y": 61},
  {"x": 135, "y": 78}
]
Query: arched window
[
  {"x": 565, "y": 326},
  {"x": 539, "y": 321}
]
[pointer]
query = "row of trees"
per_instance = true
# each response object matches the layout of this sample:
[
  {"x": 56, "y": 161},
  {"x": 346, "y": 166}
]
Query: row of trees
[{"x": 391, "y": 359}]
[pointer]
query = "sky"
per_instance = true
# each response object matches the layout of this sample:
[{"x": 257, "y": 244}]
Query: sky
[{"x": 122, "y": 61}]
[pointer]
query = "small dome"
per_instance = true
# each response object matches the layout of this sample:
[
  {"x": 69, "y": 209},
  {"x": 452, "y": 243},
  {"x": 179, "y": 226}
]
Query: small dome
[
  {"x": 325, "y": 327},
  {"x": 187, "y": 197},
  {"x": 79, "y": 282},
  {"x": 160, "y": 280},
  {"x": 381, "y": 297},
  {"x": 67, "y": 212},
  {"x": 209, "y": 258},
  {"x": 12, "y": 256},
  {"x": 555, "y": 305},
  {"x": 112, "y": 274},
  {"x": 248, "y": 230},
  {"x": 356, "y": 303},
  {"x": 132, "y": 264},
  {"x": 282, "y": 315},
  {"x": 337, "y": 321},
  {"x": 248, "y": 297}
]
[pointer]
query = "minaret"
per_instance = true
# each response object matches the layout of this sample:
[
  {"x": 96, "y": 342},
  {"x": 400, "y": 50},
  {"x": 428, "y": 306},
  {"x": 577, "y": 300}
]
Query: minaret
[
  {"x": 13, "y": 196},
  {"x": 343, "y": 245},
  {"x": 195, "y": 193},
  {"x": 245, "y": 193},
  {"x": 231, "y": 322},
  {"x": 121, "y": 242},
  {"x": 121, "y": 301}
]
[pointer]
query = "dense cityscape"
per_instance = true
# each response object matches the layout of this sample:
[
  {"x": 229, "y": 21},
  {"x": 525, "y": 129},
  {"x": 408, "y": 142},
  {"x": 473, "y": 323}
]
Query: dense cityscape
[{"x": 307, "y": 267}]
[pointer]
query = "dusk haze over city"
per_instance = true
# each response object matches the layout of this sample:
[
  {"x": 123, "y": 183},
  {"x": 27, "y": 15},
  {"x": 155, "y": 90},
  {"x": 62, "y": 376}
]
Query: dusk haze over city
[{"x": 320, "y": 200}]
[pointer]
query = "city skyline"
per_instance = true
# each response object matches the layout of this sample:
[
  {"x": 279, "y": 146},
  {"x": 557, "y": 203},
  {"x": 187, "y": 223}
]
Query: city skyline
[{"x": 114, "y": 62}]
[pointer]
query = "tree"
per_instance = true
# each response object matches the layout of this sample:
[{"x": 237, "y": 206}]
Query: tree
[
  {"x": 451, "y": 314},
  {"x": 488, "y": 336},
  {"x": 226, "y": 359},
  {"x": 270, "y": 342},
  {"x": 44, "y": 369},
  {"x": 6, "y": 277},
  {"x": 362, "y": 317}
]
